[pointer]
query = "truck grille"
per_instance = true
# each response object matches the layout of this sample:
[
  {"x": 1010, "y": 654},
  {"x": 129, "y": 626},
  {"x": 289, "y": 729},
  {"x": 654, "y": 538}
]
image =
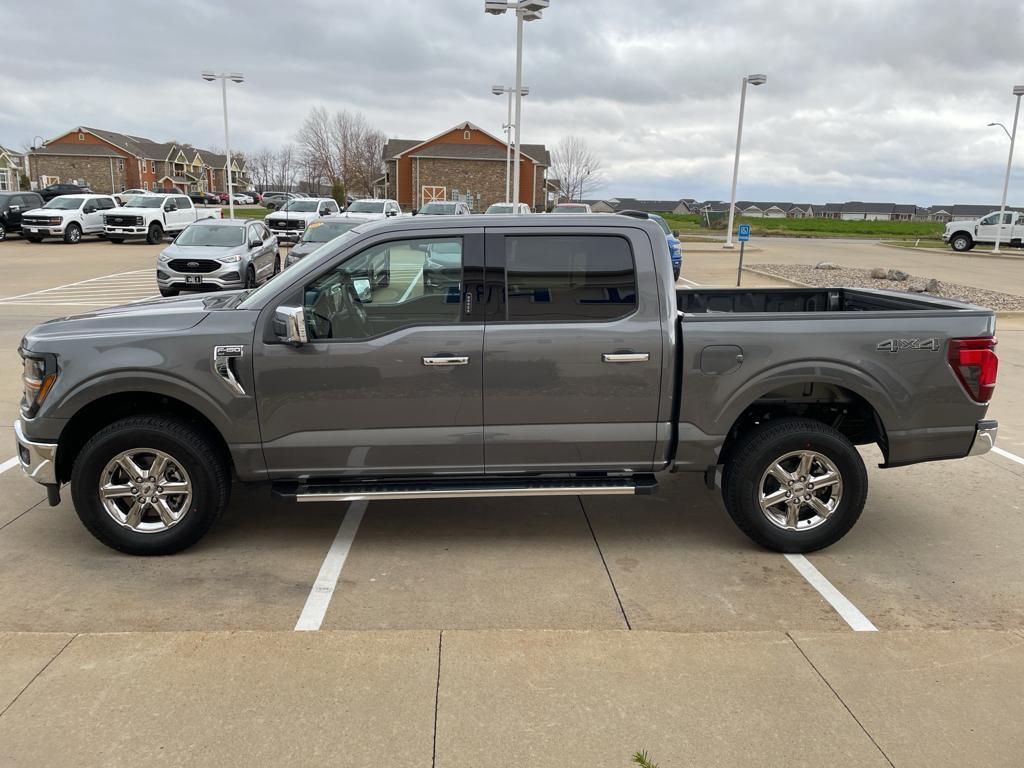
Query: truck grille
[
  {"x": 194, "y": 265},
  {"x": 40, "y": 221},
  {"x": 285, "y": 224},
  {"x": 123, "y": 221}
]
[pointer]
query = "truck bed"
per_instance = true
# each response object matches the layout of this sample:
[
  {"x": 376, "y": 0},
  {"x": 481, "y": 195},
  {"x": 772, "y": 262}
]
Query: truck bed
[{"x": 715, "y": 301}]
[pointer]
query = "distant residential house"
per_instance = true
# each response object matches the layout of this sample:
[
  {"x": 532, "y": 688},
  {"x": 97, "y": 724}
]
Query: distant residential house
[
  {"x": 108, "y": 161},
  {"x": 965, "y": 212},
  {"x": 829, "y": 211},
  {"x": 801, "y": 211},
  {"x": 858, "y": 211},
  {"x": 762, "y": 210},
  {"x": 12, "y": 166},
  {"x": 902, "y": 212}
]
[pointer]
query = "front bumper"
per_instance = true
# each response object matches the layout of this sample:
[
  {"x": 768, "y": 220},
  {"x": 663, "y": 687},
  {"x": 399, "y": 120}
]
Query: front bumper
[
  {"x": 287, "y": 235},
  {"x": 39, "y": 460},
  {"x": 227, "y": 279},
  {"x": 984, "y": 437},
  {"x": 125, "y": 232},
  {"x": 51, "y": 230}
]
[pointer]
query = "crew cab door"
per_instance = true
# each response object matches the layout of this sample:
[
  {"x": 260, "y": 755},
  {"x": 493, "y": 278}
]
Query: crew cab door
[
  {"x": 573, "y": 352},
  {"x": 92, "y": 214},
  {"x": 389, "y": 379},
  {"x": 986, "y": 228}
]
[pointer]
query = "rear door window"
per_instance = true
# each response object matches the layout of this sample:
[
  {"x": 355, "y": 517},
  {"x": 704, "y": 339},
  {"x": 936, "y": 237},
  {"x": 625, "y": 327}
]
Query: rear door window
[{"x": 569, "y": 278}]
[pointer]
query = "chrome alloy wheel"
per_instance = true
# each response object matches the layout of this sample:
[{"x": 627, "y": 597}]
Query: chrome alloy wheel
[
  {"x": 800, "y": 490},
  {"x": 145, "y": 490}
]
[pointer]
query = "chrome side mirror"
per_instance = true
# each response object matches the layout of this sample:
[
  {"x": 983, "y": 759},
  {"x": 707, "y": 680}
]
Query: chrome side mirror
[
  {"x": 364, "y": 290},
  {"x": 290, "y": 325}
]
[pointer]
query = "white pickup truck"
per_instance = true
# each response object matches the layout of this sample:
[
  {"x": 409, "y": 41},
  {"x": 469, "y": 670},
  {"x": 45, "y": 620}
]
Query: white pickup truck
[
  {"x": 291, "y": 220},
  {"x": 964, "y": 235},
  {"x": 152, "y": 217}
]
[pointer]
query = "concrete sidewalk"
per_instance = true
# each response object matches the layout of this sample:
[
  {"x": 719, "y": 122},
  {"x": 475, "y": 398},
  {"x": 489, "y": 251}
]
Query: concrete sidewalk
[{"x": 512, "y": 698}]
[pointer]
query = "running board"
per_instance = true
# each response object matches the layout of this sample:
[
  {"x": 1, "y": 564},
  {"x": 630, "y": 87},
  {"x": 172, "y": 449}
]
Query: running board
[{"x": 466, "y": 489}]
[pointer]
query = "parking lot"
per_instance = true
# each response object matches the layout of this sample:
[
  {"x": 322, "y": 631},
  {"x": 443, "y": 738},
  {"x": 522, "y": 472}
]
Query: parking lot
[{"x": 563, "y": 631}]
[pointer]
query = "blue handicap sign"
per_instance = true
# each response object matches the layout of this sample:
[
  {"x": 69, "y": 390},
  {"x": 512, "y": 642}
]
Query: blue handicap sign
[{"x": 743, "y": 234}]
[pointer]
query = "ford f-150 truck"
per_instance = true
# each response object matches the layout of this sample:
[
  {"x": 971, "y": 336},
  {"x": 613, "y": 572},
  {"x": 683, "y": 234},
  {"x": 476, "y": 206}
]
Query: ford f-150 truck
[
  {"x": 153, "y": 217},
  {"x": 565, "y": 363},
  {"x": 964, "y": 235},
  {"x": 294, "y": 216}
]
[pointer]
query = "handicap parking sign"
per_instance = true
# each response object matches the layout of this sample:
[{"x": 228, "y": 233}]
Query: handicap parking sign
[{"x": 743, "y": 234}]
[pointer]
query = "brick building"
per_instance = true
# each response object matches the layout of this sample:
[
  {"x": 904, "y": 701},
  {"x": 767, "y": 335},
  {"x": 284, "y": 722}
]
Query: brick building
[
  {"x": 110, "y": 162},
  {"x": 12, "y": 166},
  {"x": 464, "y": 163}
]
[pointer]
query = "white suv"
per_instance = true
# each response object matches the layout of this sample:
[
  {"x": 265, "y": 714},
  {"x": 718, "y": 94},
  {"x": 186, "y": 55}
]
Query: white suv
[
  {"x": 516, "y": 208},
  {"x": 67, "y": 216}
]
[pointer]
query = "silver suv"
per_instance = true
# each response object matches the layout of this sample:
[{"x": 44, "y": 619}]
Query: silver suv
[{"x": 218, "y": 254}]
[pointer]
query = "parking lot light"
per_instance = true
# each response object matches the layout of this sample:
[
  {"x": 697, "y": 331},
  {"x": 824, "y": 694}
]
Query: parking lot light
[
  {"x": 498, "y": 90},
  {"x": 525, "y": 10},
  {"x": 1018, "y": 91},
  {"x": 753, "y": 80},
  {"x": 235, "y": 77},
  {"x": 1005, "y": 129}
]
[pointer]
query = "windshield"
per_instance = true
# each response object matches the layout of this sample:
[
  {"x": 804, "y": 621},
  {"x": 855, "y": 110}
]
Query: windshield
[
  {"x": 500, "y": 208},
  {"x": 323, "y": 231},
  {"x": 65, "y": 203},
  {"x": 300, "y": 206},
  {"x": 437, "y": 209},
  {"x": 300, "y": 271},
  {"x": 217, "y": 235},
  {"x": 366, "y": 206},
  {"x": 145, "y": 201},
  {"x": 661, "y": 223}
]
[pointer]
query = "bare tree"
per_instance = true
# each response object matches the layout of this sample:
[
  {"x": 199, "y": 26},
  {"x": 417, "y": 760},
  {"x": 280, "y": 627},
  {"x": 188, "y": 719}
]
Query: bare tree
[
  {"x": 261, "y": 166},
  {"x": 577, "y": 167},
  {"x": 285, "y": 167},
  {"x": 342, "y": 147}
]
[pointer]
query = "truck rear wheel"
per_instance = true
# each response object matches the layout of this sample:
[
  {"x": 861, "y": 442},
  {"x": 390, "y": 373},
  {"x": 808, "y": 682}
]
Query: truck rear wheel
[
  {"x": 155, "y": 234},
  {"x": 149, "y": 485},
  {"x": 961, "y": 241},
  {"x": 794, "y": 485}
]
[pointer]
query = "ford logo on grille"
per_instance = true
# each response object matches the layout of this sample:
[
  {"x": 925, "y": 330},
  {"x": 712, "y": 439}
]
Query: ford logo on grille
[
  {"x": 192, "y": 264},
  {"x": 119, "y": 220}
]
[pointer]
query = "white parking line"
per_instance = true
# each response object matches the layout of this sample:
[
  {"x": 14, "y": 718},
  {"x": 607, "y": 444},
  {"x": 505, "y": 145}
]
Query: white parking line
[
  {"x": 118, "y": 288},
  {"x": 848, "y": 611},
  {"x": 11, "y": 463},
  {"x": 320, "y": 595},
  {"x": 1007, "y": 455}
]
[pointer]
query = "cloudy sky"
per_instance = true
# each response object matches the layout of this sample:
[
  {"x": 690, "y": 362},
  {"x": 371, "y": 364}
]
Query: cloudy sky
[{"x": 885, "y": 100}]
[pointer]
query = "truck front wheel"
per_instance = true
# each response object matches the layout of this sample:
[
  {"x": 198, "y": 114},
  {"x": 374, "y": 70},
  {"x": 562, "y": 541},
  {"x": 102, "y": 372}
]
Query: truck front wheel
[
  {"x": 794, "y": 485},
  {"x": 72, "y": 234},
  {"x": 155, "y": 234},
  {"x": 961, "y": 241},
  {"x": 149, "y": 485}
]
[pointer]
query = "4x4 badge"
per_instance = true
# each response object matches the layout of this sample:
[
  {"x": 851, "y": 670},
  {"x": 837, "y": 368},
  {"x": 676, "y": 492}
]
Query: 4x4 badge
[{"x": 895, "y": 345}]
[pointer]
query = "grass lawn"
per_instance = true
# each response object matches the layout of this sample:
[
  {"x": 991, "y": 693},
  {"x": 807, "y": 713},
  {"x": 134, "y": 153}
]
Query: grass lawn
[
  {"x": 246, "y": 213},
  {"x": 817, "y": 227}
]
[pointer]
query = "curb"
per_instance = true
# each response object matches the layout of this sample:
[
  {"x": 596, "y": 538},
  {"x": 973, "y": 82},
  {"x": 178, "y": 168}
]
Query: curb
[
  {"x": 968, "y": 254},
  {"x": 1008, "y": 314}
]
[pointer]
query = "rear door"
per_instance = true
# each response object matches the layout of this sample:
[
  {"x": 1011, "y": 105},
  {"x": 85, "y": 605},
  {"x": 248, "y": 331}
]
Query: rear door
[
  {"x": 92, "y": 215},
  {"x": 186, "y": 213},
  {"x": 573, "y": 351}
]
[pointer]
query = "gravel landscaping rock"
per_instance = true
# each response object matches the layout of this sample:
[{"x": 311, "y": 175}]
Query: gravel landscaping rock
[
  {"x": 879, "y": 272},
  {"x": 826, "y": 265},
  {"x": 897, "y": 275},
  {"x": 845, "y": 277}
]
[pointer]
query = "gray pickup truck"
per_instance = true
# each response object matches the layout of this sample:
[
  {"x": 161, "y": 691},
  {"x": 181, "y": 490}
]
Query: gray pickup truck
[{"x": 550, "y": 355}]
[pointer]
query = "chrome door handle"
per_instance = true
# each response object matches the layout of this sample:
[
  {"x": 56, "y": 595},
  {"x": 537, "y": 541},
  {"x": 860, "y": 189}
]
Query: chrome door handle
[
  {"x": 625, "y": 357},
  {"x": 449, "y": 360}
]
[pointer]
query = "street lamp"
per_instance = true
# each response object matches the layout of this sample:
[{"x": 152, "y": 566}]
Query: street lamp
[
  {"x": 526, "y": 10},
  {"x": 1005, "y": 129},
  {"x": 235, "y": 77},
  {"x": 753, "y": 80},
  {"x": 498, "y": 90},
  {"x": 1018, "y": 91}
]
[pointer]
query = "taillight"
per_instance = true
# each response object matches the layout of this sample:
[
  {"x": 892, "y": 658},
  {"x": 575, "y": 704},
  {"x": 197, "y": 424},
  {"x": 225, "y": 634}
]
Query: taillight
[{"x": 975, "y": 364}]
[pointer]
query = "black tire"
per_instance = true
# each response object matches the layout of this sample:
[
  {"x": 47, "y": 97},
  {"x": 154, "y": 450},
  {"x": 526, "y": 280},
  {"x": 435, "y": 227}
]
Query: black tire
[
  {"x": 961, "y": 241},
  {"x": 33, "y": 239},
  {"x": 72, "y": 234},
  {"x": 277, "y": 264},
  {"x": 155, "y": 234},
  {"x": 116, "y": 240},
  {"x": 195, "y": 451},
  {"x": 168, "y": 292},
  {"x": 759, "y": 449},
  {"x": 675, "y": 273},
  {"x": 250, "y": 278},
  {"x": 3, "y": 233}
]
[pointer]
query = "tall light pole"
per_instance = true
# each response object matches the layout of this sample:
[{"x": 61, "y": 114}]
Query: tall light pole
[
  {"x": 235, "y": 77},
  {"x": 1018, "y": 91},
  {"x": 753, "y": 80},
  {"x": 498, "y": 90},
  {"x": 526, "y": 10}
]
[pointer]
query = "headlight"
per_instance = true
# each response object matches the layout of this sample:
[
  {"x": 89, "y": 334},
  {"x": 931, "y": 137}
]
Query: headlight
[
  {"x": 232, "y": 259},
  {"x": 37, "y": 378},
  {"x": 164, "y": 256}
]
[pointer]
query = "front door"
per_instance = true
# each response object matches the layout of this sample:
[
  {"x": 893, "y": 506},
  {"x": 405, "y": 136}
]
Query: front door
[
  {"x": 573, "y": 368},
  {"x": 989, "y": 226},
  {"x": 389, "y": 382}
]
